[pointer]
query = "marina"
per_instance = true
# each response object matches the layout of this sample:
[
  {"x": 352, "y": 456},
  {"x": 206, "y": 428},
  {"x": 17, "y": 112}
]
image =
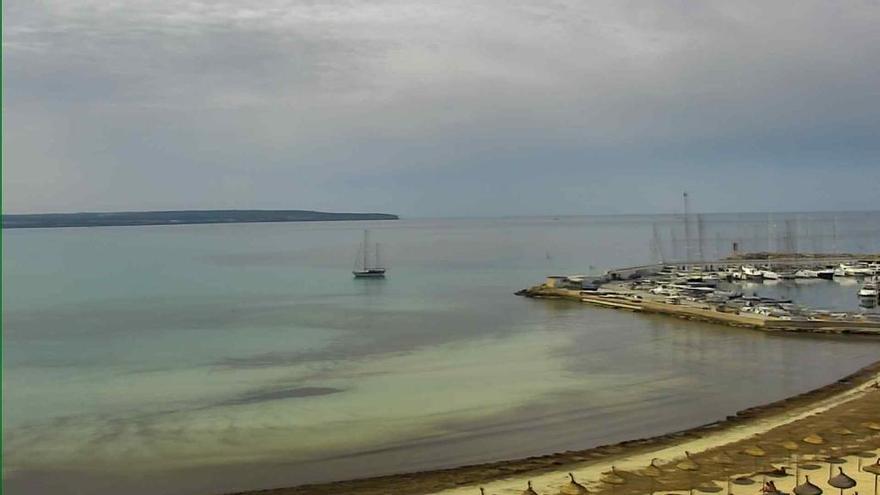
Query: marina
[{"x": 712, "y": 291}]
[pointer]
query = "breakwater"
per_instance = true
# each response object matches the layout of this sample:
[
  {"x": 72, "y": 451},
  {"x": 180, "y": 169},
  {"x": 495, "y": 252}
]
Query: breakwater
[{"x": 707, "y": 291}]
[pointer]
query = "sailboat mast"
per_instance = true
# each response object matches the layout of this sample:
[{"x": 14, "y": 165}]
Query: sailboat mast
[{"x": 366, "y": 247}]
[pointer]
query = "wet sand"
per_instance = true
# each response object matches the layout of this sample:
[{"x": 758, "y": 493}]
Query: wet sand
[{"x": 842, "y": 420}]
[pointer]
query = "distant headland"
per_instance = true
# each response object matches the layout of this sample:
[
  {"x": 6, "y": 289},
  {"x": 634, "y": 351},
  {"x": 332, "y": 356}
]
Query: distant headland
[{"x": 131, "y": 218}]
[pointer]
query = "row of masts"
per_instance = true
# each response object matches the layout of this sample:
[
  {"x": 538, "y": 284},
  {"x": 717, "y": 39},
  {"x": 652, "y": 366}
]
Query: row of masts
[{"x": 689, "y": 239}]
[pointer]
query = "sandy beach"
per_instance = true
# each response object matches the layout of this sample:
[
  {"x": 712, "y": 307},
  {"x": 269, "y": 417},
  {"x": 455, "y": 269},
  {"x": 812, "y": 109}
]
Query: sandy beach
[{"x": 816, "y": 434}]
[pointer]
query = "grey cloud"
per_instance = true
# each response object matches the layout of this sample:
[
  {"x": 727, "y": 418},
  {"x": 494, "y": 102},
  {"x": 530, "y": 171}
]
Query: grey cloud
[{"x": 191, "y": 104}]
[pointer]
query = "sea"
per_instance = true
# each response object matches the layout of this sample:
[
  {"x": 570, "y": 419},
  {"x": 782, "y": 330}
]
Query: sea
[{"x": 206, "y": 359}]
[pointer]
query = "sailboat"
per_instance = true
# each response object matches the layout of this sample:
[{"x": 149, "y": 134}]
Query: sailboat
[{"x": 362, "y": 266}]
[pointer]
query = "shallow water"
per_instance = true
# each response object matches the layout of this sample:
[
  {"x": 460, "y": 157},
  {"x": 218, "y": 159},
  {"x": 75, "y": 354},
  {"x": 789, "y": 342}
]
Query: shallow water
[{"x": 212, "y": 358}]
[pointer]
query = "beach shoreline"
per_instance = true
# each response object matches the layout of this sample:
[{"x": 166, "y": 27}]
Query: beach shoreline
[{"x": 507, "y": 475}]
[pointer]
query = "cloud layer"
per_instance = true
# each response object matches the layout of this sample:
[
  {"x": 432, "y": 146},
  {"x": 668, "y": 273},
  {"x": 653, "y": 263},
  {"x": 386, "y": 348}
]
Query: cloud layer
[{"x": 440, "y": 108}]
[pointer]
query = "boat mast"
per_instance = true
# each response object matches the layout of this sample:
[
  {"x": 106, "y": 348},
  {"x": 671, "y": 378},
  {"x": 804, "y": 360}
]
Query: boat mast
[
  {"x": 366, "y": 247},
  {"x": 687, "y": 229}
]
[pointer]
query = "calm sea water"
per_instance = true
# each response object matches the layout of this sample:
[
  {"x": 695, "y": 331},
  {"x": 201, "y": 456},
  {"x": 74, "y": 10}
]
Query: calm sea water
[{"x": 213, "y": 358}]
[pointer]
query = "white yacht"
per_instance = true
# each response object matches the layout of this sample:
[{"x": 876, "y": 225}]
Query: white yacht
[
  {"x": 844, "y": 270},
  {"x": 869, "y": 290},
  {"x": 750, "y": 272}
]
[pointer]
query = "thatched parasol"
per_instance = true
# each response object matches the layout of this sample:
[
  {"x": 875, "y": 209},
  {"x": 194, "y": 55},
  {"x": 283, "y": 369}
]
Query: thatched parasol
[
  {"x": 756, "y": 453},
  {"x": 708, "y": 487},
  {"x": 864, "y": 455},
  {"x": 726, "y": 461},
  {"x": 688, "y": 463},
  {"x": 529, "y": 490},
  {"x": 573, "y": 487},
  {"x": 875, "y": 470},
  {"x": 793, "y": 447},
  {"x": 842, "y": 430},
  {"x": 807, "y": 488},
  {"x": 842, "y": 481},
  {"x": 743, "y": 481},
  {"x": 612, "y": 478},
  {"x": 813, "y": 439},
  {"x": 690, "y": 466},
  {"x": 832, "y": 460},
  {"x": 777, "y": 472},
  {"x": 653, "y": 472}
]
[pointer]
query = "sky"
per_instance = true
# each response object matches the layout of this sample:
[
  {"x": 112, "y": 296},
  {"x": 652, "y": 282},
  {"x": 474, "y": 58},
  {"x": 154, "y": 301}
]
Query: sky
[{"x": 442, "y": 107}]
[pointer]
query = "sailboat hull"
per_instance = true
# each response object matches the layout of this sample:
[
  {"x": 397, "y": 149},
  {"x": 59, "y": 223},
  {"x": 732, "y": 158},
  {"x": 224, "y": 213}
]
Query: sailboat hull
[{"x": 380, "y": 273}]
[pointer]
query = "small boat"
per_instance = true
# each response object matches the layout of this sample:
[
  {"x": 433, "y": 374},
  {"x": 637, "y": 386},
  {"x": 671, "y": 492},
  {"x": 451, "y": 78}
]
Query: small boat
[
  {"x": 751, "y": 273},
  {"x": 769, "y": 275},
  {"x": 844, "y": 270},
  {"x": 869, "y": 291},
  {"x": 362, "y": 265}
]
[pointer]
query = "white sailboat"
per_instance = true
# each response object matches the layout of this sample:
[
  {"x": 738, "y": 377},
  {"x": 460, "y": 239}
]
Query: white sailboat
[{"x": 364, "y": 266}]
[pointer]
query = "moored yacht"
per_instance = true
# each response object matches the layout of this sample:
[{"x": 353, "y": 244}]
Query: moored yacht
[
  {"x": 364, "y": 265},
  {"x": 869, "y": 290},
  {"x": 844, "y": 270}
]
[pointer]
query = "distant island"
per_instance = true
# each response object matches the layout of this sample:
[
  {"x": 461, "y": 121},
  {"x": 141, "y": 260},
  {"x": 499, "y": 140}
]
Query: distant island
[{"x": 130, "y": 218}]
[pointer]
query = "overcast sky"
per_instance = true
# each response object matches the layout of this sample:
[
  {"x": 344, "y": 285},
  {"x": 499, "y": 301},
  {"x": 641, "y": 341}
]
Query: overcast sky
[{"x": 441, "y": 107}]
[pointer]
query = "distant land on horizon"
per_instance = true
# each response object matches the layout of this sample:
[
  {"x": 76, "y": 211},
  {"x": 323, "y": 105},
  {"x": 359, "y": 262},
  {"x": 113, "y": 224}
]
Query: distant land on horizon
[{"x": 179, "y": 217}]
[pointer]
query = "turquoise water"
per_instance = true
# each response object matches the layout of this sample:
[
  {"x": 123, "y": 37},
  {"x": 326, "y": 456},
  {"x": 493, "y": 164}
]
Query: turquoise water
[{"x": 212, "y": 358}]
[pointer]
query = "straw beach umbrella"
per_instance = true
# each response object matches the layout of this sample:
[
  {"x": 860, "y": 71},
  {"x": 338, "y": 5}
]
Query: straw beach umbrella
[
  {"x": 842, "y": 481},
  {"x": 864, "y": 455},
  {"x": 529, "y": 490},
  {"x": 612, "y": 478},
  {"x": 789, "y": 445},
  {"x": 793, "y": 447},
  {"x": 777, "y": 472},
  {"x": 725, "y": 461},
  {"x": 743, "y": 481},
  {"x": 708, "y": 487},
  {"x": 807, "y": 488},
  {"x": 875, "y": 470},
  {"x": 832, "y": 460},
  {"x": 813, "y": 439},
  {"x": 690, "y": 466},
  {"x": 756, "y": 453},
  {"x": 573, "y": 487},
  {"x": 688, "y": 463},
  {"x": 653, "y": 472}
]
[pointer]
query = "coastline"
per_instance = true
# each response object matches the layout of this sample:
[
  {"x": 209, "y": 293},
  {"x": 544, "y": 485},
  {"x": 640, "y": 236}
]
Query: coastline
[
  {"x": 548, "y": 471},
  {"x": 179, "y": 217}
]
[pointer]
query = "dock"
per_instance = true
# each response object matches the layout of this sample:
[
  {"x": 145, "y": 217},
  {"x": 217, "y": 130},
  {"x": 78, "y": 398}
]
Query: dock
[{"x": 692, "y": 291}]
